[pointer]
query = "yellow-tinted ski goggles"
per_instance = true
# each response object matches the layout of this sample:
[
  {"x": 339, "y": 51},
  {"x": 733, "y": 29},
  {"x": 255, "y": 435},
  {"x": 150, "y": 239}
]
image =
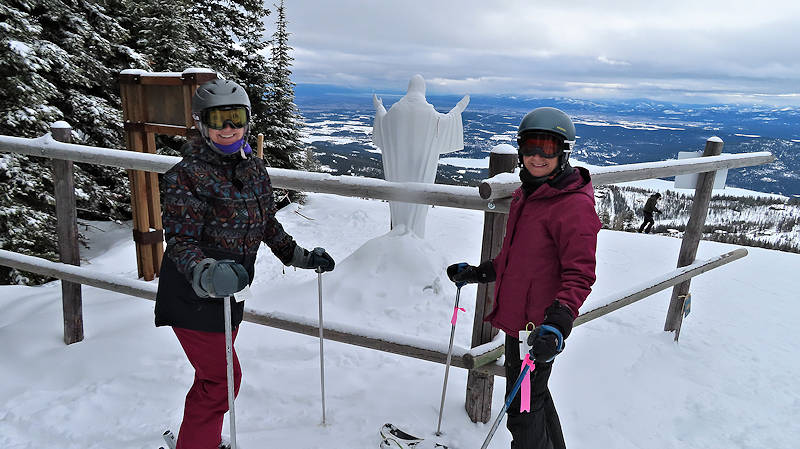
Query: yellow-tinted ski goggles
[{"x": 216, "y": 118}]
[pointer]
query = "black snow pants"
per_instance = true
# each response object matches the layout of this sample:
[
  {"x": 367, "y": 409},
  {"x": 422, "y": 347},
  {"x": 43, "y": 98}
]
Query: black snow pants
[
  {"x": 648, "y": 223},
  {"x": 540, "y": 428}
]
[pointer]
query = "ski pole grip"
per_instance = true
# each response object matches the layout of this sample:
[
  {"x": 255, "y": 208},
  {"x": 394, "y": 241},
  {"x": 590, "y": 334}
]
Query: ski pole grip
[
  {"x": 559, "y": 338},
  {"x": 554, "y": 330},
  {"x": 461, "y": 267}
]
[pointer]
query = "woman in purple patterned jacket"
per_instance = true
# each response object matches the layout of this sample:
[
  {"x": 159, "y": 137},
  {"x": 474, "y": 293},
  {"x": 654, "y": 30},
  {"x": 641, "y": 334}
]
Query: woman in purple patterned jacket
[
  {"x": 544, "y": 270},
  {"x": 218, "y": 208}
]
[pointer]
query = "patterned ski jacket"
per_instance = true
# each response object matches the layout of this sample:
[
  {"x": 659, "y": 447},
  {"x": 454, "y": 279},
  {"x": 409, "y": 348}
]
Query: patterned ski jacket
[
  {"x": 548, "y": 253},
  {"x": 214, "y": 206}
]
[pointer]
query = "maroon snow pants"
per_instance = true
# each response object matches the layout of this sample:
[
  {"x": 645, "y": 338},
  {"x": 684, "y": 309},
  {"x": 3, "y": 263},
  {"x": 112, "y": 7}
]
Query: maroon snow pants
[{"x": 207, "y": 400}]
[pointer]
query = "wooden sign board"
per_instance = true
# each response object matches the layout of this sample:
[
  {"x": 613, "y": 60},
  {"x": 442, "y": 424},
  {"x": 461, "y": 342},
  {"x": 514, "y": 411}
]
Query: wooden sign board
[
  {"x": 154, "y": 103},
  {"x": 161, "y": 98}
]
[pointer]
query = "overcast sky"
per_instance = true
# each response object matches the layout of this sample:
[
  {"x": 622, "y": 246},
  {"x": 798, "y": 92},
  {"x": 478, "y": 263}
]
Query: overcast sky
[{"x": 684, "y": 51}]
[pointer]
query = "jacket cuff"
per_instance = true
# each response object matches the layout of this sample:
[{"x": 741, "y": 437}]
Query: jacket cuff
[
  {"x": 298, "y": 256},
  {"x": 486, "y": 272},
  {"x": 560, "y": 316}
]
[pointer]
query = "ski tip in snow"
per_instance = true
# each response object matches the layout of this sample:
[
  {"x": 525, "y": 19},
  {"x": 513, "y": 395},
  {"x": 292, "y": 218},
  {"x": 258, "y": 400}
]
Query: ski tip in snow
[
  {"x": 170, "y": 439},
  {"x": 395, "y": 438}
]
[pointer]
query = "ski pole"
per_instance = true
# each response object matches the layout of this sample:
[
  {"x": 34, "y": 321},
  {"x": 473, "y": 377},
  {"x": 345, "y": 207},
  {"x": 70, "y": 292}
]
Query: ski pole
[
  {"x": 229, "y": 360},
  {"x": 505, "y": 406},
  {"x": 321, "y": 350},
  {"x": 449, "y": 357}
]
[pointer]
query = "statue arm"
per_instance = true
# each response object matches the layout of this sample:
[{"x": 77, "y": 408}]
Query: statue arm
[
  {"x": 378, "y": 103},
  {"x": 380, "y": 113},
  {"x": 450, "y": 129},
  {"x": 460, "y": 106}
]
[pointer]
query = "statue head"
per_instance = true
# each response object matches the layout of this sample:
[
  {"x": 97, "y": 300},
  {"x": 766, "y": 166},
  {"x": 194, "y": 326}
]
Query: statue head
[{"x": 416, "y": 86}]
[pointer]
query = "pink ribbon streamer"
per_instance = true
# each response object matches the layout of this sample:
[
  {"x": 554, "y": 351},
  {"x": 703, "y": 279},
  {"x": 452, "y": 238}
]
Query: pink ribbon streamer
[
  {"x": 525, "y": 387},
  {"x": 455, "y": 314}
]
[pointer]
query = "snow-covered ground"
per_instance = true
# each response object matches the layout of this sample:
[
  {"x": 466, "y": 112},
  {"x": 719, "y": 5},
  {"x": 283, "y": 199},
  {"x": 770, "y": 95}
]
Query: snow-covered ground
[{"x": 731, "y": 382}]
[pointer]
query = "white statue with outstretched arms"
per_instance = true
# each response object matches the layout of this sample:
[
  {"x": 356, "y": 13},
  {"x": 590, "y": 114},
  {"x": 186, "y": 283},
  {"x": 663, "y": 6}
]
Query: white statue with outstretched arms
[{"x": 411, "y": 136}]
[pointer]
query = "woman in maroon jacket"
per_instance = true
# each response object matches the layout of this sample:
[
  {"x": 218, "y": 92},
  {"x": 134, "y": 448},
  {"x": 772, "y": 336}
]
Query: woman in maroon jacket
[{"x": 545, "y": 269}]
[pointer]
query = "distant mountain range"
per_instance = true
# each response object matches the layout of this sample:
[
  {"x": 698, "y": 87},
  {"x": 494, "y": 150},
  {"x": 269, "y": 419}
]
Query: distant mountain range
[{"x": 339, "y": 126}]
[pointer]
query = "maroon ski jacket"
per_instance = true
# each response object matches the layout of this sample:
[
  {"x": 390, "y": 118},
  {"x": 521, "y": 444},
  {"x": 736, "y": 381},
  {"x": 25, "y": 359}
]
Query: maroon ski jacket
[{"x": 548, "y": 253}]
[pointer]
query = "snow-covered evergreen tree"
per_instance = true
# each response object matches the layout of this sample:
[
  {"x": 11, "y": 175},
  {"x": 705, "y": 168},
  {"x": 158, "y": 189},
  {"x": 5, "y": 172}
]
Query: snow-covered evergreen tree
[
  {"x": 252, "y": 72},
  {"x": 281, "y": 123},
  {"x": 58, "y": 61},
  {"x": 163, "y": 32}
]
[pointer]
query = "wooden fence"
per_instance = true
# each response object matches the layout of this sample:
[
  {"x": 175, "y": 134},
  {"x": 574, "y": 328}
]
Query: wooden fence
[{"x": 491, "y": 197}]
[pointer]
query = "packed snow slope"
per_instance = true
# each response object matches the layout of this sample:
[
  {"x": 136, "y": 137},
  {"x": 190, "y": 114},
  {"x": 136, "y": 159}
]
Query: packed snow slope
[{"x": 731, "y": 382}]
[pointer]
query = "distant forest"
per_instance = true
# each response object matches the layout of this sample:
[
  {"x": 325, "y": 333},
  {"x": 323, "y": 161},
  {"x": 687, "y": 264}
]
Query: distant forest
[{"x": 766, "y": 222}]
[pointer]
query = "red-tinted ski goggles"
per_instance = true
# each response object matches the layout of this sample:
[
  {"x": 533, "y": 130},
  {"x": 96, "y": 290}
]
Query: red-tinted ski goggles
[
  {"x": 545, "y": 145},
  {"x": 235, "y": 116}
]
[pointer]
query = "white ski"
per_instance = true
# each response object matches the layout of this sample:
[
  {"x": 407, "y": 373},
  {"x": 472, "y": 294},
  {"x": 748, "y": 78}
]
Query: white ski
[{"x": 394, "y": 438}]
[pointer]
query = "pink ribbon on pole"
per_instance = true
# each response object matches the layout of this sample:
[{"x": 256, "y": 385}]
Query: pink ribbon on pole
[
  {"x": 455, "y": 314},
  {"x": 525, "y": 386}
]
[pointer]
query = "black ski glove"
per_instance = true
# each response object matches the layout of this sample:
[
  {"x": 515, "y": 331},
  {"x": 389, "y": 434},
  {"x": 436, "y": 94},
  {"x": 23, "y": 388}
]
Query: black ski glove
[
  {"x": 318, "y": 258},
  {"x": 463, "y": 273},
  {"x": 547, "y": 340},
  {"x": 218, "y": 278}
]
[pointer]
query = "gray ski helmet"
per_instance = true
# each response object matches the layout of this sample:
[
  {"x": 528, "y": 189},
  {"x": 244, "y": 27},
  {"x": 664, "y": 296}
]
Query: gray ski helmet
[
  {"x": 217, "y": 93},
  {"x": 548, "y": 119},
  {"x": 551, "y": 120}
]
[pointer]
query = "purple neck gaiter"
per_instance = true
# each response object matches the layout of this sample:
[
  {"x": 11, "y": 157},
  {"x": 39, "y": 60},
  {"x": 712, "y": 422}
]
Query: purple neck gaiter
[{"x": 234, "y": 147}]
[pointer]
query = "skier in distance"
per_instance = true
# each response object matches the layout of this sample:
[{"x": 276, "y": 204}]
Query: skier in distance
[{"x": 648, "y": 211}]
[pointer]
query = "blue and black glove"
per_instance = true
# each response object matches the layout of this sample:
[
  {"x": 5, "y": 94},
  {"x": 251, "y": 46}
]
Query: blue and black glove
[
  {"x": 462, "y": 273},
  {"x": 317, "y": 259},
  {"x": 547, "y": 340},
  {"x": 218, "y": 278}
]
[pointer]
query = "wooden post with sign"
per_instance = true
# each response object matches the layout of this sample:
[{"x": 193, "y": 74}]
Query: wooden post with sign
[
  {"x": 480, "y": 385},
  {"x": 154, "y": 103},
  {"x": 693, "y": 234}
]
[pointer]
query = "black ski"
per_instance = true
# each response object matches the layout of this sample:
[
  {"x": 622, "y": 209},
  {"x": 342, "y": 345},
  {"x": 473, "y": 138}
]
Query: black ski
[{"x": 395, "y": 438}]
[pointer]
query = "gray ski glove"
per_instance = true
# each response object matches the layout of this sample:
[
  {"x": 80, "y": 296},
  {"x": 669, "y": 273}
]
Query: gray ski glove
[
  {"x": 218, "y": 278},
  {"x": 318, "y": 258}
]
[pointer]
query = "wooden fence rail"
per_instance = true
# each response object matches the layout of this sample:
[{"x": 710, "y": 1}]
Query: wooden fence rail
[
  {"x": 353, "y": 186},
  {"x": 396, "y": 344},
  {"x": 480, "y": 359},
  {"x": 504, "y": 186}
]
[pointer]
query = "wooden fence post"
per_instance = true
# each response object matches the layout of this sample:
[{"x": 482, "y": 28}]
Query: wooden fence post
[
  {"x": 693, "y": 234},
  {"x": 480, "y": 386},
  {"x": 67, "y": 219}
]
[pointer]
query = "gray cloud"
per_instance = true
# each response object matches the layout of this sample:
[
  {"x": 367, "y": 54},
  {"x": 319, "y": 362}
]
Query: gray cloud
[{"x": 714, "y": 51}]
